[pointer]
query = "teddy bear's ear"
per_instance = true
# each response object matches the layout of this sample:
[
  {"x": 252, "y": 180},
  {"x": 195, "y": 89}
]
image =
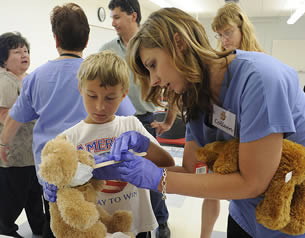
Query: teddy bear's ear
[{"x": 58, "y": 162}]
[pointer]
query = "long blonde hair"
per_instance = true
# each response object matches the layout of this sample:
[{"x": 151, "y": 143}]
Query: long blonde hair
[
  {"x": 231, "y": 14},
  {"x": 159, "y": 31}
]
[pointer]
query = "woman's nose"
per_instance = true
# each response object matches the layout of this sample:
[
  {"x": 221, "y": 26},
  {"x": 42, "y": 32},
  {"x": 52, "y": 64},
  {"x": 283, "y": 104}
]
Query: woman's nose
[{"x": 154, "y": 80}]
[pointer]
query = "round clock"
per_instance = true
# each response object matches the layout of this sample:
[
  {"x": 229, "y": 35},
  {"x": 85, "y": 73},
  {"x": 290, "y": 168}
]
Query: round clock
[{"x": 101, "y": 14}]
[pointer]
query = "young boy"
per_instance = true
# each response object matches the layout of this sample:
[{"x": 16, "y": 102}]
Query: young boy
[{"x": 103, "y": 84}]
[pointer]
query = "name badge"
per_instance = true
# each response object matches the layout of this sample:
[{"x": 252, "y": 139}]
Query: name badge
[{"x": 224, "y": 120}]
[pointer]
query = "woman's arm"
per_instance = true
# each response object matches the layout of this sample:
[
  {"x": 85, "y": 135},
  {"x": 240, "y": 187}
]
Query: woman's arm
[
  {"x": 8, "y": 133},
  {"x": 189, "y": 159},
  {"x": 168, "y": 121},
  {"x": 258, "y": 162},
  {"x": 3, "y": 114}
]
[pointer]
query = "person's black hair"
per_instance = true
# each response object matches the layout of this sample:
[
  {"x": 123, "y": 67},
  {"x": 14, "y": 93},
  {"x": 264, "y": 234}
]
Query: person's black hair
[
  {"x": 128, "y": 6},
  {"x": 8, "y": 41}
]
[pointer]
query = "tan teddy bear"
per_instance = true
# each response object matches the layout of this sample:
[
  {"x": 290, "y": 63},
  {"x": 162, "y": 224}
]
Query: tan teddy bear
[
  {"x": 283, "y": 205},
  {"x": 75, "y": 212}
]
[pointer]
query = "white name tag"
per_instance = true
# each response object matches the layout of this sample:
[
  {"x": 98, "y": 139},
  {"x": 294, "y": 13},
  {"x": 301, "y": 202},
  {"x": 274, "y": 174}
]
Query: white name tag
[{"x": 224, "y": 120}]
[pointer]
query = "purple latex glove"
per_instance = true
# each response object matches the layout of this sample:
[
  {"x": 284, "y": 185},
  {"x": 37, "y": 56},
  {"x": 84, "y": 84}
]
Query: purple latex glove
[
  {"x": 130, "y": 140},
  {"x": 139, "y": 171},
  {"x": 49, "y": 192},
  {"x": 109, "y": 172}
]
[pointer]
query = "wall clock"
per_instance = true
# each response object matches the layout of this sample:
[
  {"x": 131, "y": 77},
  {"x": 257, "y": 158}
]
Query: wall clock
[{"x": 101, "y": 14}]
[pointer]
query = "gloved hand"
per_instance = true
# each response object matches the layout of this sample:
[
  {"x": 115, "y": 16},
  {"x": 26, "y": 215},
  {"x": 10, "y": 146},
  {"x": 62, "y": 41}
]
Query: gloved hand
[
  {"x": 49, "y": 192},
  {"x": 108, "y": 172},
  {"x": 130, "y": 140},
  {"x": 139, "y": 171}
]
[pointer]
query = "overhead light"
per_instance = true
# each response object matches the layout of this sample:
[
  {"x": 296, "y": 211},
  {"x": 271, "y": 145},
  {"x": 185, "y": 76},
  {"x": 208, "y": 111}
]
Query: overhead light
[
  {"x": 297, "y": 14},
  {"x": 193, "y": 6},
  {"x": 161, "y": 3}
]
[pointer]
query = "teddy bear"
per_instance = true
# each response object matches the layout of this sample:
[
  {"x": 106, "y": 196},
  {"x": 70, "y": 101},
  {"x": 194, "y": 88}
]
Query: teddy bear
[
  {"x": 75, "y": 212},
  {"x": 283, "y": 204}
]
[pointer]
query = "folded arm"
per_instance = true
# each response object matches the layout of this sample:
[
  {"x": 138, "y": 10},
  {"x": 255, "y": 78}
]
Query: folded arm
[
  {"x": 8, "y": 133},
  {"x": 258, "y": 162}
]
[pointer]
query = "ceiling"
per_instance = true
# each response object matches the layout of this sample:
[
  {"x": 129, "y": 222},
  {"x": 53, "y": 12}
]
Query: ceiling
[{"x": 253, "y": 8}]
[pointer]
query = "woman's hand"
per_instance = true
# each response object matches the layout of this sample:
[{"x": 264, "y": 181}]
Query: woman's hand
[
  {"x": 130, "y": 140},
  {"x": 109, "y": 172},
  {"x": 139, "y": 171},
  {"x": 49, "y": 192},
  {"x": 3, "y": 152}
]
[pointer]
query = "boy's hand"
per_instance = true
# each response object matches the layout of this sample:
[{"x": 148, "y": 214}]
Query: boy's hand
[{"x": 130, "y": 140}]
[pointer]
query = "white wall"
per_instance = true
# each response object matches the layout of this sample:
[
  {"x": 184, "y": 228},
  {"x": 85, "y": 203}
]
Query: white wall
[{"x": 32, "y": 19}]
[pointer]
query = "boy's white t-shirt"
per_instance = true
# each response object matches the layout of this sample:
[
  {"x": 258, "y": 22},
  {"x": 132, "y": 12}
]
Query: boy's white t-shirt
[{"x": 98, "y": 139}]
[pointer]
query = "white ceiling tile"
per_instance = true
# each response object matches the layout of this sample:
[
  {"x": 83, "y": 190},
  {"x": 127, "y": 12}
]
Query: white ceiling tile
[{"x": 253, "y": 8}]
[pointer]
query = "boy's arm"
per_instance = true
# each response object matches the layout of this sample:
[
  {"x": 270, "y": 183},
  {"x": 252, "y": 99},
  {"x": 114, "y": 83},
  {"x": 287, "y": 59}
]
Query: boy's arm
[{"x": 159, "y": 156}]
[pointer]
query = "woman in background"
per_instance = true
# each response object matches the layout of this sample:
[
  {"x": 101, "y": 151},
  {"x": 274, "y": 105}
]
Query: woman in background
[
  {"x": 234, "y": 29},
  {"x": 19, "y": 187}
]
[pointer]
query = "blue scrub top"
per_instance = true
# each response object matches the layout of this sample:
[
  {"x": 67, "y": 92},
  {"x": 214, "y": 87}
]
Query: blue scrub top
[{"x": 266, "y": 98}]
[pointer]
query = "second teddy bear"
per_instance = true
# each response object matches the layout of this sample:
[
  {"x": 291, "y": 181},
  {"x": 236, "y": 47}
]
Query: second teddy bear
[{"x": 283, "y": 205}]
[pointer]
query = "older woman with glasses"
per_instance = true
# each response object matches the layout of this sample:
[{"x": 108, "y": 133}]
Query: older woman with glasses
[
  {"x": 234, "y": 29},
  {"x": 19, "y": 186}
]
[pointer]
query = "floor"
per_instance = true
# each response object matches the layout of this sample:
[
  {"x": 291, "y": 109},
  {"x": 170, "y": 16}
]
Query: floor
[{"x": 184, "y": 213}]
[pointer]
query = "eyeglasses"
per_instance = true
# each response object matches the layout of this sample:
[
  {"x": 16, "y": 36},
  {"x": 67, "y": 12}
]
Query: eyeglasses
[
  {"x": 227, "y": 34},
  {"x": 130, "y": 6}
]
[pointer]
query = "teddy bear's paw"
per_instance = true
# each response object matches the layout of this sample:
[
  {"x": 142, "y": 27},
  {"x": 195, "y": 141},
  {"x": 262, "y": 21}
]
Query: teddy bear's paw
[
  {"x": 294, "y": 229},
  {"x": 98, "y": 230},
  {"x": 83, "y": 220},
  {"x": 76, "y": 212},
  {"x": 296, "y": 225},
  {"x": 272, "y": 217},
  {"x": 120, "y": 221}
]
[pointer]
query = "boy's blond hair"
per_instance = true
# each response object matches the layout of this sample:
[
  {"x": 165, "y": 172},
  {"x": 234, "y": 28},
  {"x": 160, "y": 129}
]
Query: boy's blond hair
[{"x": 106, "y": 66}]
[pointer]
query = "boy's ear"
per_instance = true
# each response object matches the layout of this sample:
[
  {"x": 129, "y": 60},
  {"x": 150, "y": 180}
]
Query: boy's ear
[
  {"x": 125, "y": 93},
  {"x": 79, "y": 88},
  {"x": 179, "y": 42}
]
